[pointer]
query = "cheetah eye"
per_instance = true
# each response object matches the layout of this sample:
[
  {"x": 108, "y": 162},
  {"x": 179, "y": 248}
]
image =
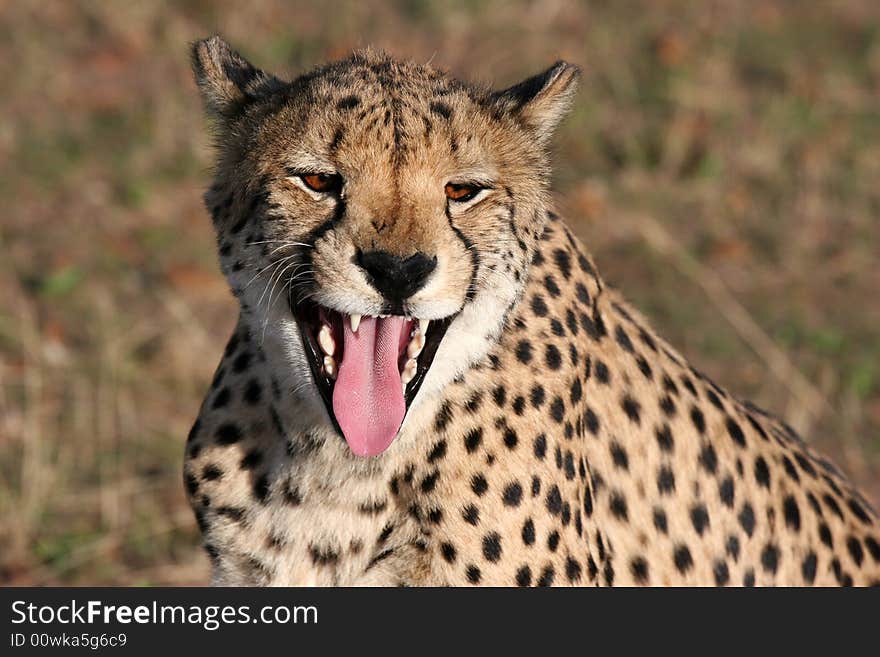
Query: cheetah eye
[
  {"x": 325, "y": 183},
  {"x": 460, "y": 193}
]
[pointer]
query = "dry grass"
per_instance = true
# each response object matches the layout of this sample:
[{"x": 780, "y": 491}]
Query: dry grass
[{"x": 722, "y": 163}]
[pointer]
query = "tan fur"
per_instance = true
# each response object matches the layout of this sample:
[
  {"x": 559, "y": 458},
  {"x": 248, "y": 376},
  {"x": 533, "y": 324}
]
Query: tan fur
[{"x": 556, "y": 440}]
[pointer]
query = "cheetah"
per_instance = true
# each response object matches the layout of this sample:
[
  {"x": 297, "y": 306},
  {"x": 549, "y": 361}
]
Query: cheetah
[{"x": 430, "y": 384}]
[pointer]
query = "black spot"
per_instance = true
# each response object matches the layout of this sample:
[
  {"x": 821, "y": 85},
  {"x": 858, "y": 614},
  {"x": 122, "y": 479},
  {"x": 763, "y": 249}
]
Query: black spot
[
  {"x": 448, "y": 551},
  {"x": 524, "y": 576},
  {"x": 808, "y": 568},
  {"x": 639, "y": 569},
  {"x": 825, "y": 535},
  {"x": 708, "y": 458},
  {"x": 699, "y": 518},
  {"x": 537, "y": 396},
  {"x": 441, "y": 109},
  {"x": 762, "y": 472},
  {"x": 473, "y": 439},
  {"x": 576, "y": 391},
  {"x": 221, "y": 398},
  {"x": 540, "y": 446},
  {"x": 747, "y": 519},
  {"x": 241, "y": 362},
  {"x": 348, "y": 102},
  {"x": 492, "y": 547},
  {"x": 557, "y": 409},
  {"x": 554, "y": 501},
  {"x": 725, "y": 492},
  {"x": 790, "y": 469},
  {"x": 572, "y": 570},
  {"x": 682, "y": 558},
  {"x": 261, "y": 488},
  {"x": 665, "y": 480},
  {"x": 536, "y": 485},
  {"x": 664, "y": 438},
  {"x": 732, "y": 547},
  {"x": 698, "y": 419},
  {"x": 252, "y": 392},
  {"x": 471, "y": 514},
  {"x": 831, "y": 503},
  {"x": 510, "y": 438},
  {"x": 551, "y": 286},
  {"x": 631, "y": 407},
  {"x": 473, "y": 404},
  {"x": 539, "y": 307},
  {"x": 591, "y": 421},
  {"x": 499, "y": 396},
  {"x": 251, "y": 460},
  {"x": 430, "y": 481},
  {"x": 618, "y": 455},
  {"x": 479, "y": 484},
  {"x": 623, "y": 339},
  {"x": 473, "y": 574},
  {"x": 512, "y": 494},
  {"x": 227, "y": 434},
  {"x": 563, "y": 262},
  {"x": 602, "y": 373},
  {"x": 735, "y": 432},
  {"x": 873, "y": 547},
  {"x": 444, "y": 415},
  {"x": 553, "y": 541},
  {"x": 547, "y": 576},
  {"x": 552, "y": 357},
  {"x": 791, "y": 512},
  {"x": 519, "y": 405},
  {"x": 854, "y": 547},
  {"x": 721, "y": 573},
  {"x": 660, "y": 523},
  {"x": 770, "y": 558},
  {"x": 524, "y": 351},
  {"x": 859, "y": 511},
  {"x": 749, "y": 578},
  {"x": 667, "y": 405},
  {"x": 212, "y": 472},
  {"x": 438, "y": 452},
  {"x": 528, "y": 532},
  {"x": 617, "y": 504}
]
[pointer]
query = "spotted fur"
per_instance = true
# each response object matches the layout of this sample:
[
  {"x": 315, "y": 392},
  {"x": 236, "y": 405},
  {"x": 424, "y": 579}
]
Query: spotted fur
[{"x": 557, "y": 439}]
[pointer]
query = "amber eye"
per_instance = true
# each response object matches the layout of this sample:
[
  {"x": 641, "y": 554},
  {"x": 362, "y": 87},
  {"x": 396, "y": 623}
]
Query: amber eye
[
  {"x": 326, "y": 183},
  {"x": 461, "y": 193}
]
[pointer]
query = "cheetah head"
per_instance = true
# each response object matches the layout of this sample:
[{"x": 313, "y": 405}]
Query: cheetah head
[{"x": 376, "y": 220}]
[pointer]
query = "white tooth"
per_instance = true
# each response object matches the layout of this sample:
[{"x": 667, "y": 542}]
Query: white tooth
[
  {"x": 423, "y": 326},
  {"x": 328, "y": 346},
  {"x": 415, "y": 345},
  {"x": 330, "y": 366},
  {"x": 403, "y": 385},
  {"x": 383, "y": 316},
  {"x": 355, "y": 322},
  {"x": 409, "y": 371}
]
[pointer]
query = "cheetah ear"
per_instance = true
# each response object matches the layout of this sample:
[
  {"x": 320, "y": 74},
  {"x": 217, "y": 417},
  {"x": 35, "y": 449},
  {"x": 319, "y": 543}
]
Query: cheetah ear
[
  {"x": 542, "y": 100},
  {"x": 228, "y": 82}
]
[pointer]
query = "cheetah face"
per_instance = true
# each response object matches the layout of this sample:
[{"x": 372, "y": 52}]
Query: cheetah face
[{"x": 379, "y": 218}]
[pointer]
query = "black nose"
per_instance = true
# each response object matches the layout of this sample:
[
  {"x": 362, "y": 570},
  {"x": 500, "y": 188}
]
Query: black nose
[{"x": 394, "y": 277}]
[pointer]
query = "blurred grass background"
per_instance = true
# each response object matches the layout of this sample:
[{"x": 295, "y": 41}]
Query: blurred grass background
[{"x": 722, "y": 162}]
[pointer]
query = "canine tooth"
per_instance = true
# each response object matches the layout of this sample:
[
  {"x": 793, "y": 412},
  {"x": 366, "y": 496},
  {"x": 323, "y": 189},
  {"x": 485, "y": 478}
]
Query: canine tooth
[
  {"x": 325, "y": 340},
  {"x": 415, "y": 345},
  {"x": 355, "y": 322},
  {"x": 330, "y": 366},
  {"x": 384, "y": 316},
  {"x": 409, "y": 370},
  {"x": 423, "y": 326}
]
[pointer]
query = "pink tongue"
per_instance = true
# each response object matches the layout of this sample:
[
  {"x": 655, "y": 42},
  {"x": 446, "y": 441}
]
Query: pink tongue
[{"x": 368, "y": 396}]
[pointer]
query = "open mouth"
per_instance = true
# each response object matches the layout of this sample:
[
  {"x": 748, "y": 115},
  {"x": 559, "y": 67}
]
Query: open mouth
[{"x": 368, "y": 369}]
